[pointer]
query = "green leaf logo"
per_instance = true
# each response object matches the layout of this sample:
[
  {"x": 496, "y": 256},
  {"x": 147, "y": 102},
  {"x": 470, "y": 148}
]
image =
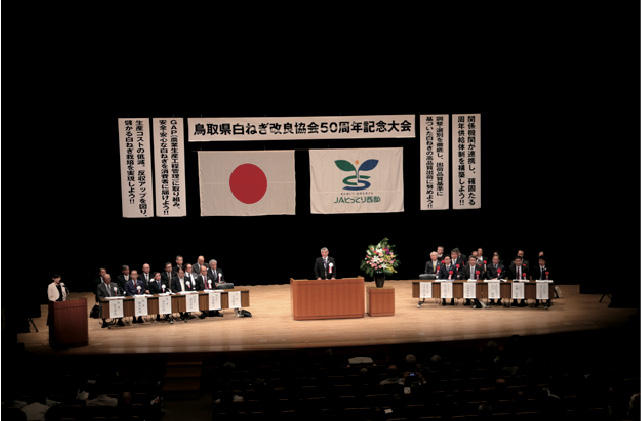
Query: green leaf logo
[{"x": 344, "y": 165}]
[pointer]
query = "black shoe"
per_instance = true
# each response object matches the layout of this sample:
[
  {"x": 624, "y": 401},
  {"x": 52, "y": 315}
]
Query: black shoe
[
  {"x": 218, "y": 314},
  {"x": 104, "y": 324},
  {"x": 120, "y": 323},
  {"x": 444, "y": 303},
  {"x": 467, "y": 303},
  {"x": 202, "y": 316}
]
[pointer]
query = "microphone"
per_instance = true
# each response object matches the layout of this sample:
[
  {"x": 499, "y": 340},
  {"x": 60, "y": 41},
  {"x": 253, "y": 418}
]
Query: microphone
[{"x": 62, "y": 284}]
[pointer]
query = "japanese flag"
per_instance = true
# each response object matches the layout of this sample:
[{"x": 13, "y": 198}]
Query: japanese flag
[{"x": 247, "y": 183}]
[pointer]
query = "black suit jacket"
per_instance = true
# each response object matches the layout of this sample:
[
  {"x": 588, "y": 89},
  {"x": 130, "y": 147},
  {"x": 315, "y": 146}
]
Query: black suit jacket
[
  {"x": 154, "y": 287},
  {"x": 524, "y": 269},
  {"x": 444, "y": 273},
  {"x": 464, "y": 273},
  {"x": 536, "y": 272},
  {"x": 492, "y": 272},
  {"x": 201, "y": 280},
  {"x": 214, "y": 274},
  {"x": 121, "y": 282},
  {"x": 319, "y": 268},
  {"x": 429, "y": 267},
  {"x": 141, "y": 277},
  {"x": 175, "y": 285},
  {"x": 166, "y": 281}
]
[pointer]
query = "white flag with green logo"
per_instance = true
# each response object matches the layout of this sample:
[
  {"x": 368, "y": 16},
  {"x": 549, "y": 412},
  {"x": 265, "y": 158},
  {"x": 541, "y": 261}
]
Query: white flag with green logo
[{"x": 356, "y": 180}]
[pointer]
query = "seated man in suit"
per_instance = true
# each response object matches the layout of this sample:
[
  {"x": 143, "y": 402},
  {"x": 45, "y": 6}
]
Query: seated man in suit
[
  {"x": 448, "y": 271},
  {"x": 155, "y": 287},
  {"x": 541, "y": 272},
  {"x": 104, "y": 290},
  {"x": 123, "y": 278},
  {"x": 145, "y": 275},
  {"x": 215, "y": 272},
  {"x": 166, "y": 278},
  {"x": 518, "y": 272},
  {"x": 472, "y": 271},
  {"x": 205, "y": 282},
  {"x": 135, "y": 286},
  {"x": 432, "y": 265},
  {"x": 457, "y": 258},
  {"x": 154, "y": 284},
  {"x": 325, "y": 266},
  {"x": 182, "y": 284},
  {"x": 495, "y": 270}
]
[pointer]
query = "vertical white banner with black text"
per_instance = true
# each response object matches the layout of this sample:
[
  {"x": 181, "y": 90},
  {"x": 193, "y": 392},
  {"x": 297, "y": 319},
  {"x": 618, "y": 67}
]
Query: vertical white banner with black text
[
  {"x": 435, "y": 161},
  {"x": 169, "y": 165},
  {"x": 466, "y": 161},
  {"x": 135, "y": 168}
]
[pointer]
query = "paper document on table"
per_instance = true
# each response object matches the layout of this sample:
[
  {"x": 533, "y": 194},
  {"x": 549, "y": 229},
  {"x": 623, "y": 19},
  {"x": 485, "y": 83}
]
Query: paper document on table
[{"x": 425, "y": 290}]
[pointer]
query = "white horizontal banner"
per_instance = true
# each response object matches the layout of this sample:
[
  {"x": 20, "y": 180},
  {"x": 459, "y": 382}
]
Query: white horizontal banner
[{"x": 273, "y": 128}]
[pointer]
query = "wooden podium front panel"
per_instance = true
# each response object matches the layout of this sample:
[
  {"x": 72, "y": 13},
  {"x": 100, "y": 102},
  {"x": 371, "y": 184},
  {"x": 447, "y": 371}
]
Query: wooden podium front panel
[
  {"x": 69, "y": 324},
  {"x": 328, "y": 299},
  {"x": 381, "y": 301}
]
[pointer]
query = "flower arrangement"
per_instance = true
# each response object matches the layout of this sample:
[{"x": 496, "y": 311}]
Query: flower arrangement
[{"x": 380, "y": 259}]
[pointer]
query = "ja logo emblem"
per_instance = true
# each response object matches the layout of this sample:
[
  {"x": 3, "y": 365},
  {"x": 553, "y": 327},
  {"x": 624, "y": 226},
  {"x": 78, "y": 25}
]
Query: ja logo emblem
[{"x": 357, "y": 181}]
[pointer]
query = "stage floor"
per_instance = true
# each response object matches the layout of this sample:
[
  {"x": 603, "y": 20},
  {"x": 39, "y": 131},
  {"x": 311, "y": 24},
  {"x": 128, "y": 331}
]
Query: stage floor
[{"x": 272, "y": 326}]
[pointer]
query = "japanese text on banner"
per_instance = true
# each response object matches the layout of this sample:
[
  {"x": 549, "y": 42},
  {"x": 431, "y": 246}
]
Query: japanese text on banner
[
  {"x": 466, "y": 161},
  {"x": 135, "y": 168},
  {"x": 278, "y": 128},
  {"x": 169, "y": 157},
  {"x": 435, "y": 158}
]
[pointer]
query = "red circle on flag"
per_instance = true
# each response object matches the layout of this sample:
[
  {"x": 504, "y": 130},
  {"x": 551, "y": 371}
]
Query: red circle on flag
[{"x": 248, "y": 183}]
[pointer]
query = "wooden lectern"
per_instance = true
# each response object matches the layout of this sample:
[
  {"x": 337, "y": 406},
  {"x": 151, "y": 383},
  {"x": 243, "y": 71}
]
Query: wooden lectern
[
  {"x": 328, "y": 299},
  {"x": 68, "y": 323}
]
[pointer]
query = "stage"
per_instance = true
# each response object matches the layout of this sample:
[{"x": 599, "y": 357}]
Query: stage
[{"x": 273, "y": 328}]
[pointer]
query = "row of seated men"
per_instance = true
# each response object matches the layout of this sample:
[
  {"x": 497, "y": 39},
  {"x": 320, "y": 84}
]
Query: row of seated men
[
  {"x": 177, "y": 279},
  {"x": 455, "y": 267}
]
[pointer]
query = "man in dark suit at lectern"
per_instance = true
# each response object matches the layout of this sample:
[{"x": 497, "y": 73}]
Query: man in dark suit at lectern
[{"x": 325, "y": 267}]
